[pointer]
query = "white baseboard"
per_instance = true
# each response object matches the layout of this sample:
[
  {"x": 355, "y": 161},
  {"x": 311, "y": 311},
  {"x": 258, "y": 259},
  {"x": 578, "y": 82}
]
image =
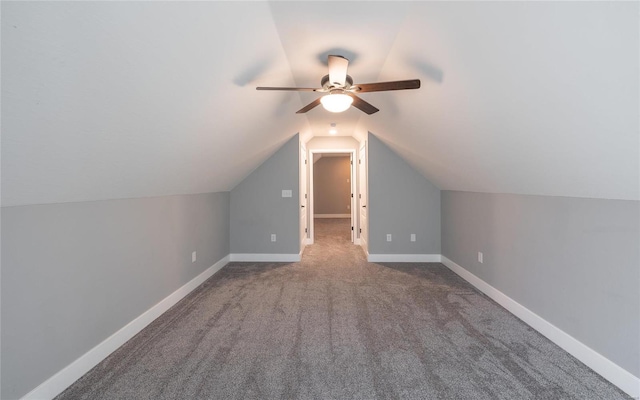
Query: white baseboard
[
  {"x": 403, "y": 258},
  {"x": 600, "y": 364},
  {"x": 251, "y": 257},
  {"x": 332, "y": 216},
  {"x": 72, "y": 372},
  {"x": 594, "y": 360}
]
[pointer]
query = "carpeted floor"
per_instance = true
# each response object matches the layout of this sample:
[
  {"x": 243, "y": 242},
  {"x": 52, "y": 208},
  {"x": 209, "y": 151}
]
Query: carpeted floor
[{"x": 336, "y": 327}]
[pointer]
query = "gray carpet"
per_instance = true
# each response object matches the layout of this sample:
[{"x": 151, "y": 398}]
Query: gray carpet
[{"x": 337, "y": 327}]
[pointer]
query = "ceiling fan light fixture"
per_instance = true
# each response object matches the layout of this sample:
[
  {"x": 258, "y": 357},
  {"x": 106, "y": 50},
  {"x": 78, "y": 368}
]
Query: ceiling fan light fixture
[{"x": 336, "y": 102}]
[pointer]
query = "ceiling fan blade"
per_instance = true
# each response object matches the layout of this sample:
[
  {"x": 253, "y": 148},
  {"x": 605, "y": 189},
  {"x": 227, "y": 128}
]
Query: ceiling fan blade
[
  {"x": 309, "y": 106},
  {"x": 338, "y": 70},
  {"x": 362, "y": 105},
  {"x": 297, "y": 89},
  {"x": 384, "y": 86}
]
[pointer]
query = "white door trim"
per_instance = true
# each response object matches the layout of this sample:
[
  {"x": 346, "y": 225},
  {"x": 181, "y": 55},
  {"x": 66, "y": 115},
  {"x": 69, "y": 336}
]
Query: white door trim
[
  {"x": 304, "y": 201},
  {"x": 363, "y": 183}
]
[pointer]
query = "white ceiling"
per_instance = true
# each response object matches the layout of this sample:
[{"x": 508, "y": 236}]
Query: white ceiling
[{"x": 105, "y": 100}]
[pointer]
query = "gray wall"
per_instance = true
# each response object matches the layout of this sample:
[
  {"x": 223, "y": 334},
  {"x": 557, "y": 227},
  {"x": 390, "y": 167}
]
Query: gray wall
[
  {"x": 401, "y": 202},
  {"x": 259, "y": 210},
  {"x": 75, "y": 273},
  {"x": 573, "y": 261},
  {"x": 332, "y": 185}
]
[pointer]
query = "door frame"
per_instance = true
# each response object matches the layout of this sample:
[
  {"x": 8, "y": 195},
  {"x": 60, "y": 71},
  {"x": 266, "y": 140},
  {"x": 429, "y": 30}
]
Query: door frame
[
  {"x": 363, "y": 186},
  {"x": 304, "y": 198},
  {"x": 311, "y": 212}
]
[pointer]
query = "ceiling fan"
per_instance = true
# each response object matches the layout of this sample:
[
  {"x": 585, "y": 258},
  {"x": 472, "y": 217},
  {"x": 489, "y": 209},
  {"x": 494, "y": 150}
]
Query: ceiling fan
[{"x": 341, "y": 92}]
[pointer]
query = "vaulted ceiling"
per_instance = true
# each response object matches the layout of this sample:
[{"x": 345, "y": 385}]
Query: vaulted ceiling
[{"x": 104, "y": 100}]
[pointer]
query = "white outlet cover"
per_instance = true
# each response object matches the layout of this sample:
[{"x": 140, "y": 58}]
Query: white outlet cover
[
  {"x": 286, "y": 193},
  {"x": 193, "y": 257},
  {"x": 480, "y": 257},
  {"x": 413, "y": 237},
  {"x": 273, "y": 237},
  {"x": 388, "y": 237}
]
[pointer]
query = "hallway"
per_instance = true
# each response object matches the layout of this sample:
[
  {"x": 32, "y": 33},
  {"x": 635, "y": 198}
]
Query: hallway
[{"x": 332, "y": 231}]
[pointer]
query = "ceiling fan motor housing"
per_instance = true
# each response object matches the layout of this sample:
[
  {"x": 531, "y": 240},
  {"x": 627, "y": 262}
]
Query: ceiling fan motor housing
[{"x": 327, "y": 85}]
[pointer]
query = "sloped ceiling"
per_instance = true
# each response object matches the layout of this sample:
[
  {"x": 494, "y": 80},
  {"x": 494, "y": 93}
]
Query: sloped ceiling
[
  {"x": 106, "y": 100},
  {"x": 518, "y": 97}
]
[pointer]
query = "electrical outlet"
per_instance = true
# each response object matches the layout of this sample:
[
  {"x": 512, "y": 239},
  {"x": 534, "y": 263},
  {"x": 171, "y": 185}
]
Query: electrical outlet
[
  {"x": 286, "y": 193},
  {"x": 388, "y": 237},
  {"x": 273, "y": 237},
  {"x": 480, "y": 257},
  {"x": 193, "y": 257},
  {"x": 413, "y": 237}
]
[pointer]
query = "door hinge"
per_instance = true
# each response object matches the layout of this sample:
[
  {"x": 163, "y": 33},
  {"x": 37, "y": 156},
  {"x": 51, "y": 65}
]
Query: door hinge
[
  {"x": 305, "y": 230},
  {"x": 352, "y": 195},
  {"x": 359, "y": 161},
  {"x": 360, "y": 195},
  {"x": 305, "y": 161},
  {"x": 352, "y": 228},
  {"x": 360, "y": 230},
  {"x": 305, "y": 195}
]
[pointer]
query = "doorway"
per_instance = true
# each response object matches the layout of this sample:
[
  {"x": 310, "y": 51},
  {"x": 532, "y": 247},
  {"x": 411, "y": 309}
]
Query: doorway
[
  {"x": 304, "y": 198},
  {"x": 332, "y": 188},
  {"x": 363, "y": 213}
]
